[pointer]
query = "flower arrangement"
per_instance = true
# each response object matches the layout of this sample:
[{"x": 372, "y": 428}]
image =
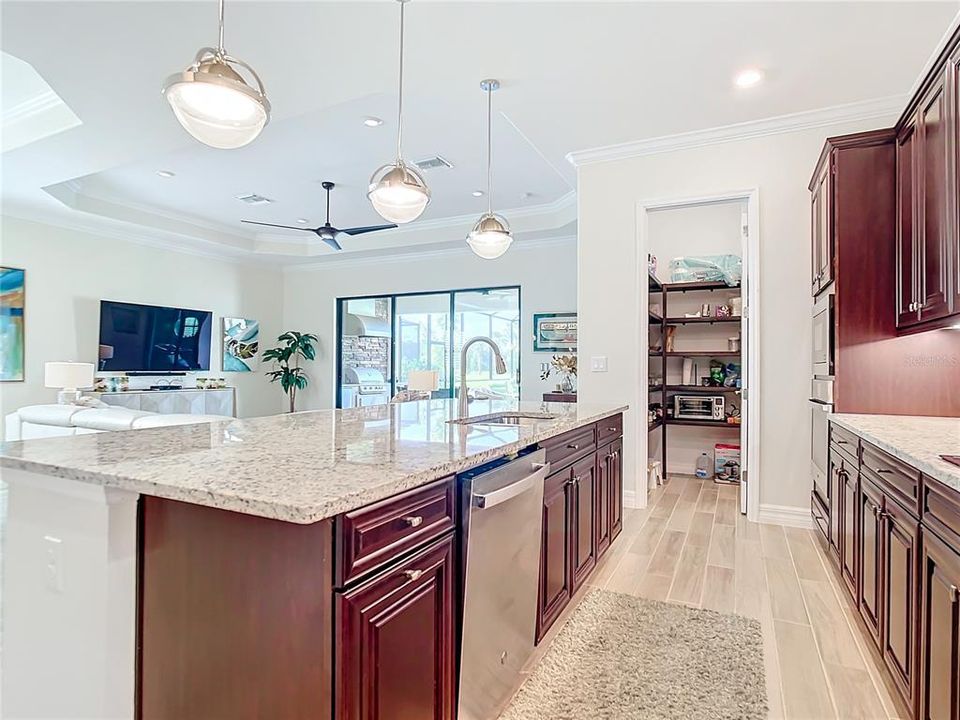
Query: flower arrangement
[{"x": 566, "y": 367}]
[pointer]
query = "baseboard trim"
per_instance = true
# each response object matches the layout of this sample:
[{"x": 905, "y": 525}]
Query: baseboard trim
[
  {"x": 630, "y": 499},
  {"x": 785, "y": 515}
]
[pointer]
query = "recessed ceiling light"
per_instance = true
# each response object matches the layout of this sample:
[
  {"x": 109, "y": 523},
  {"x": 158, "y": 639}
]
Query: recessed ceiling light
[
  {"x": 748, "y": 78},
  {"x": 477, "y": 193},
  {"x": 372, "y": 121},
  {"x": 165, "y": 173},
  {"x": 253, "y": 199},
  {"x": 303, "y": 221}
]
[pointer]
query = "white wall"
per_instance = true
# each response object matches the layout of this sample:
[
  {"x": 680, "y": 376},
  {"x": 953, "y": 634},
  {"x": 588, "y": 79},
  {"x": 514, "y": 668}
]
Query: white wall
[
  {"x": 69, "y": 272},
  {"x": 710, "y": 229},
  {"x": 608, "y": 195},
  {"x": 545, "y": 272}
]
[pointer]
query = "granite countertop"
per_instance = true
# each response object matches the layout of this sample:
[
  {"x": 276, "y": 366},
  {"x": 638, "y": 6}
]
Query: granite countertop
[
  {"x": 918, "y": 441},
  {"x": 302, "y": 467}
]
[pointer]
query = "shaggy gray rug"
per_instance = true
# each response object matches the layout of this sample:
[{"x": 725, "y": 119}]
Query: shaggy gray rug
[{"x": 621, "y": 657}]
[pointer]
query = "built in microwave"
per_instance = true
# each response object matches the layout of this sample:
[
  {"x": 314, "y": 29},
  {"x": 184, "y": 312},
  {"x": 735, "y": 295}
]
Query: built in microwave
[{"x": 698, "y": 407}]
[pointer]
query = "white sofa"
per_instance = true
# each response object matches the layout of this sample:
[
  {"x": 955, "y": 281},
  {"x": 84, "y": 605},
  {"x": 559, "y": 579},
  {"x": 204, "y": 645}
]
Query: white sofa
[{"x": 40, "y": 421}]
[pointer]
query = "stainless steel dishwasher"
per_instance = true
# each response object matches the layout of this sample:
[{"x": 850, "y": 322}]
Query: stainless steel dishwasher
[{"x": 502, "y": 507}]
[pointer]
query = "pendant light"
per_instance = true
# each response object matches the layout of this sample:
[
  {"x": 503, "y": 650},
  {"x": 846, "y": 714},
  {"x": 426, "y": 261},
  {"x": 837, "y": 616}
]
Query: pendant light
[
  {"x": 214, "y": 103},
  {"x": 490, "y": 236},
  {"x": 398, "y": 192}
]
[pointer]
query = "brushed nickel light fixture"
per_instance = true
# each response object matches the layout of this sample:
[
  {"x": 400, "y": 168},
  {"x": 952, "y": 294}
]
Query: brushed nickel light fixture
[
  {"x": 398, "y": 192},
  {"x": 490, "y": 236},
  {"x": 214, "y": 103}
]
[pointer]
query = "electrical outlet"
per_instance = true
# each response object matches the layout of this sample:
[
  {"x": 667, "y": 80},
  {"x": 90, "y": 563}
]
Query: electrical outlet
[
  {"x": 598, "y": 364},
  {"x": 53, "y": 563}
]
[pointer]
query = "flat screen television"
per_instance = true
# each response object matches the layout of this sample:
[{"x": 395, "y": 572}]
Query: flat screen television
[{"x": 151, "y": 339}]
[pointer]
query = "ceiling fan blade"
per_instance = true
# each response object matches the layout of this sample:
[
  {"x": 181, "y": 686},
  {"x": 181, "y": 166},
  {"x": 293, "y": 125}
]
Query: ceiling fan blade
[
  {"x": 332, "y": 243},
  {"x": 367, "y": 229},
  {"x": 288, "y": 227}
]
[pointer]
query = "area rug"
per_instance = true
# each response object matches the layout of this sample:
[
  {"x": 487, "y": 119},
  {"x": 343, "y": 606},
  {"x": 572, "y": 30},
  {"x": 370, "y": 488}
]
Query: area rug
[{"x": 621, "y": 657}]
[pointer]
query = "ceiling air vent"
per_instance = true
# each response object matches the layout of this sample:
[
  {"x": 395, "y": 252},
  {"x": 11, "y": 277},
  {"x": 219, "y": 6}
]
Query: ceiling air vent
[
  {"x": 254, "y": 199},
  {"x": 433, "y": 163}
]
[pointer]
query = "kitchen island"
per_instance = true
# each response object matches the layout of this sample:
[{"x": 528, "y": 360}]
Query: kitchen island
[{"x": 304, "y": 565}]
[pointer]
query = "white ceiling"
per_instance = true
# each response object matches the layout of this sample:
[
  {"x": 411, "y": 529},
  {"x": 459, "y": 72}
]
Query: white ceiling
[{"x": 575, "y": 75}]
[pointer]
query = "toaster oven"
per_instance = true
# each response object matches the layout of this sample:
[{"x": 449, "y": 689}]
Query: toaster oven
[{"x": 698, "y": 407}]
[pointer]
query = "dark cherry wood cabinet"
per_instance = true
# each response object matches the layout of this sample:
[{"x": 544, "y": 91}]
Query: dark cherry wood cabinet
[
  {"x": 821, "y": 218},
  {"x": 849, "y": 482},
  {"x": 939, "y": 687},
  {"x": 834, "y": 493},
  {"x": 395, "y": 641},
  {"x": 928, "y": 238},
  {"x": 870, "y": 556},
  {"x": 556, "y": 576},
  {"x": 582, "y": 513},
  {"x": 584, "y": 487},
  {"x": 899, "y": 581}
]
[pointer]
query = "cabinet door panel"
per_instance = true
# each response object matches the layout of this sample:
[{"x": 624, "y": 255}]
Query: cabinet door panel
[
  {"x": 833, "y": 497},
  {"x": 953, "y": 140},
  {"x": 934, "y": 262},
  {"x": 555, "y": 566},
  {"x": 940, "y": 631},
  {"x": 584, "y": 517},
  {"x": 899, "y": 597},
  {"x": 907, "y": 313},
  {"x": 395, "y": 641},
  {"x": 869, "y": 547},
  {"x": 615, "y": 477},
  {"x": 602, "y": 520},
  {"x": 823, "y": 245},
  {"x": 848, "y": 530}
]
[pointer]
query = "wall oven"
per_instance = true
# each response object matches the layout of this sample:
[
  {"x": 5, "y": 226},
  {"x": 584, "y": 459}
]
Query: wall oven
[
  {"x": 823, "y": 339},
  {"x": 698, "y": 407},
  {"x": 821, "y": 405}
]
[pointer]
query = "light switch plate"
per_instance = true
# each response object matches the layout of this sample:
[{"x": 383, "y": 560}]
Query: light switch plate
[
  {"x": 53, "y": 563},
  {"x": 598, "y": 364}
]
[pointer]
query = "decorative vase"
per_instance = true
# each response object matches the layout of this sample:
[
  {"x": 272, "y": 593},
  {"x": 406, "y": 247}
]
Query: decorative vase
[{"x": 566, "y": 384}]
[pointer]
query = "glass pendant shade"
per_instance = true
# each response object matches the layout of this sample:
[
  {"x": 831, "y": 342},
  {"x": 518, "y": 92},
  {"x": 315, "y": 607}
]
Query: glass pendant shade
[
  {"x": 398, "y": 193},
  {"x": 490, "y": 237},
  {"x": 215, "y": 104}
]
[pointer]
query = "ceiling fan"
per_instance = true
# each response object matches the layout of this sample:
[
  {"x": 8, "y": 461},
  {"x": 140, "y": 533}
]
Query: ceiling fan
[{"x": 327, "y": 232}]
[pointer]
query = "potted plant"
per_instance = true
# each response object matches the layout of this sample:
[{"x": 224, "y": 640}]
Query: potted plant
[
  {"x": 566, "y": 367},
  {"x": 287, "y": 356}
]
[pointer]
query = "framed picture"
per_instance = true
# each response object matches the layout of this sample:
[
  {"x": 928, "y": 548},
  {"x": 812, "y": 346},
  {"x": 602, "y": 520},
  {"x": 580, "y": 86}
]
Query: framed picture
[
  {"x": 12, "y": 296},
  {"x": 555, "y": 332},
  {"x": 241, "y": 345}
]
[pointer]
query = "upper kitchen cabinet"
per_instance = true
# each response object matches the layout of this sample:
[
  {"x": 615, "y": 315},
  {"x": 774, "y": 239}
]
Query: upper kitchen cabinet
[
  {"x": 928, "y": 250},
  {"x": 821, "y": 224}
]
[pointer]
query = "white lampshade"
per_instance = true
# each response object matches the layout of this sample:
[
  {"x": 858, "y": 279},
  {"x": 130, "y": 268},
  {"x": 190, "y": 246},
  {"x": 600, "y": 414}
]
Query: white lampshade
[
  {"x": 398, "y": 193},
  {"x": 66, "y": 375},
  {"x": 423, "y": 380},
  {"x": 215, "y": 105},
  {"x": 490, "y": 237}
]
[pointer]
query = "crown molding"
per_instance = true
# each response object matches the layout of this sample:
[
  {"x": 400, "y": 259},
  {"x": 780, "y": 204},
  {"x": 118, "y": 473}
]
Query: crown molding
[
  {"x": 457, "y": 250},
  {"x": 881, "y": 108},
  {"x": 31, "y": 107}
]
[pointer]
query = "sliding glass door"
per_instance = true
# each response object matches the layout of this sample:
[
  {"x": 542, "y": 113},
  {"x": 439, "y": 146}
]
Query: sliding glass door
[{"x": 395, "y": 334}]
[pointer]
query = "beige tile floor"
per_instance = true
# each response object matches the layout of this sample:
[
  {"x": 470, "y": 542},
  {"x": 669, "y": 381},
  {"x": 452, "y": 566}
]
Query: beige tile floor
[{"x": 691, "y": 546}]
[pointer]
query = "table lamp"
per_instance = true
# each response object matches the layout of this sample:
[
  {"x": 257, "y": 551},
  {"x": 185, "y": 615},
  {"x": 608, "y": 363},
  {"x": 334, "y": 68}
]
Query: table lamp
[{"x": 69, "y": 378}]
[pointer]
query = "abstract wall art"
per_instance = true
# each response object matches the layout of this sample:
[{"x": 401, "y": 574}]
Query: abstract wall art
[
  {"x": 12, "y": 297},
  {"x": 241, "y": 345}
]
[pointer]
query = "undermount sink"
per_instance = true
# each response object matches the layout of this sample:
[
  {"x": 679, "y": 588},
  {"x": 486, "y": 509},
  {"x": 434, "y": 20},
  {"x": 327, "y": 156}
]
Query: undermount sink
[{"x": 504, "y": 418}]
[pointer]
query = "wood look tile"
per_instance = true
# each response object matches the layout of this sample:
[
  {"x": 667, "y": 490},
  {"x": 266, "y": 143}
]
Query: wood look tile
[
  {"x": 774, "y": 542},
  {"x": 667, "y": 554},
  {"x": 665, "y": 505},
  {"x": 708, "y": 500},
  {"x": 723, "y": 551},
  {"x": 805, "y": 690},
  {"x": 701, "y": 527},
  {"x": 718, "y": 589},
  {"x": 854, "y": 693},
  {"x": 646, "y": 540},
  {"x": 836, "y": 642},
  {"x": 747, "y": 530},
  {"x": 805, "y": 556},
  {"x": 727, "y": 511},
  {"x": 688, "y": 579},
  {"x": 627, "y": 577},
  {"x": 786, "y": 601},
  {"x": 682, "y": 515},
  {"x": 654, "y": 587}
]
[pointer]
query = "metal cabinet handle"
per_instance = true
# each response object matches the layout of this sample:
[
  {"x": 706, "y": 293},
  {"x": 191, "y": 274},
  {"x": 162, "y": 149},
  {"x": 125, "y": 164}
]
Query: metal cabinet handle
[
  {"x": 954, "y": 594},
  {"x": 573, "y": 446},
  {"x": 883, "y": 471},
  {"x": 577, "y": 479},
  {"x": 414, "y": 521},
  {"x": 876, "y": 511},
  {"x": 612, "y": 429},
  {"x": 413, "y": 574},
  {"x": 843, "y": 442}
]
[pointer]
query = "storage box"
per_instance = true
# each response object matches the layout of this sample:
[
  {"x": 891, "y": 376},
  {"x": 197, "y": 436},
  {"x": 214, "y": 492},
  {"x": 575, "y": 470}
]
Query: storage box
[{"x": 726, "y": 462}]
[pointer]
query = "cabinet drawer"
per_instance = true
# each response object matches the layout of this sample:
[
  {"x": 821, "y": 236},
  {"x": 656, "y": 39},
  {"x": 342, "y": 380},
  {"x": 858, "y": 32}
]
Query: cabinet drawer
[
  {"x": 377, "y": 534},
  {"x": 941, "y": 510},
  {"x": 845, "y": 440},
  {"x": 820, "y": 518},
  {"x": 609, "y": 429},
  {"x": 564, "y": 449},
  {"x": 894, "y": 476}
]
